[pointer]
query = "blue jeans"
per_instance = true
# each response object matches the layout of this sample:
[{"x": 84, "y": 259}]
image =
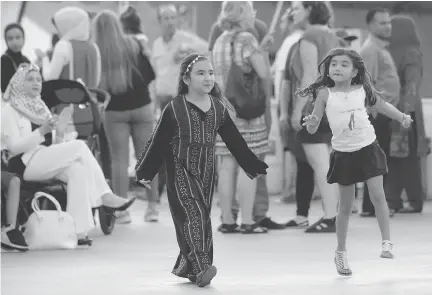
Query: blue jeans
[{"x": 119, "y": 126}]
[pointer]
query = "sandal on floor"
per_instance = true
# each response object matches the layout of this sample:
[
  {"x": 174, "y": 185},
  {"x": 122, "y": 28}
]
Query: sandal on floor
[
  {"x": 204, "y": 278},
  {"x": 253, "y": 229},
  {"x": 228, "y": 228},
  {"x": 323, "y": 226}
]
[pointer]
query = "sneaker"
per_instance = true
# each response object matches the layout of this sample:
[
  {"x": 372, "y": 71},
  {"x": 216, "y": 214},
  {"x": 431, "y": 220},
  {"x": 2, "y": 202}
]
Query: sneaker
[
  {"x": 151, "y": 215},
  {"x": 12, "y": 238},
  {"x": 341, "y": 262},
  {"x": 270, "y": 224},
  {"x": 386, "y": 252},
  {"x": 123, "y": 217}
]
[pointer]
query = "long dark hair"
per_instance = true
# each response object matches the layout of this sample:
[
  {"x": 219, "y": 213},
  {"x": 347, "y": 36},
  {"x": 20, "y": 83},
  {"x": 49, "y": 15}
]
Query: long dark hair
[
  {"x": 185, "y": 70},
  {"x": 362, "y": 78}
]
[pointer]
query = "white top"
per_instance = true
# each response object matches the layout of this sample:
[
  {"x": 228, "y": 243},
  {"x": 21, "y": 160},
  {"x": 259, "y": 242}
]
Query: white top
[
  {"x": 17, "y": 135},
  {"x": 349, "y": 120}
]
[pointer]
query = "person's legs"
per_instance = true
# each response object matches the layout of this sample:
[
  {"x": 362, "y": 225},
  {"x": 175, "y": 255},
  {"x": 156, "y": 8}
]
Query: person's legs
[
  {"x": 142, "y": 129},
  {"x": 73, "y": 163},
  {"x": 227, "y": 187},
  {"x": 261, "y": 204},
  {"x": 395, "y": 182},
  {"x": 247, "y": 191},
  {"x": 305, "y": 185},
  {"x": 318, "y": 157},
  {"x": 346, "y": 202},
  {"x": 382, "y": 126},
  {"x": 117, "y": 127},
  {"x": 376, "y": 191},
  {"x": 11, "y": 185}
]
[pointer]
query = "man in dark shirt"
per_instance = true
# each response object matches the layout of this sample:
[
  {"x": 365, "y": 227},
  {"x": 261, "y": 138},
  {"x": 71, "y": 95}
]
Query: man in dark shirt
[{"x": 262, "y": 198}]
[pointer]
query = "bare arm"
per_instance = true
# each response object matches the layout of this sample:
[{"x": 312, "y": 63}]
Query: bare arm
[
  {"x": 284, "y": 97},
  {"x": 388, "y": 110},
  {"x": 318, "y": 112},
  {"x": 309, "y": 61}
]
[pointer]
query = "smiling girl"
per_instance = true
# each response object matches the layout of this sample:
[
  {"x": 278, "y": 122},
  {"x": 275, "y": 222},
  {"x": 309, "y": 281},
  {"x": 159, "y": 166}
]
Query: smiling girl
[{"x": 344, "y": 91}]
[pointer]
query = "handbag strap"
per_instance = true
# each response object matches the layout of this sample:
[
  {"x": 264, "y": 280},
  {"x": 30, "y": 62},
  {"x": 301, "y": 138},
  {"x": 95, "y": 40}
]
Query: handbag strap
[{"x": 38, "y": 195}]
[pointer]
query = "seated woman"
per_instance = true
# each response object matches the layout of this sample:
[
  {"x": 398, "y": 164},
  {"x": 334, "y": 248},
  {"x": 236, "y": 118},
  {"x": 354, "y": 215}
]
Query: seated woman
[{"x": 25, "y": 121}]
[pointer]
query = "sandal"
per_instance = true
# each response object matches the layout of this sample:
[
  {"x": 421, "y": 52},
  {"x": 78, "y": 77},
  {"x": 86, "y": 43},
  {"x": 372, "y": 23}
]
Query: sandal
[
  {"x": 228, "y": 228},
  {"x": 253, "y": 229},
  {"x": 323, "y": 226}
]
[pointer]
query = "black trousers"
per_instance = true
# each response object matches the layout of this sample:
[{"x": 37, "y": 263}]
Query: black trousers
[
  {"x": 405, "y": 173},
  {"x": 305, "y": 185},
  {"x": 382, "y": 126}
]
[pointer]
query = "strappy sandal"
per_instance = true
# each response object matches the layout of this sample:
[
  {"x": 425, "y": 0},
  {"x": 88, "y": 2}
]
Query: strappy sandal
[
  {"x": 228, "y": 228},
  {"x": 253, "y": 229}
]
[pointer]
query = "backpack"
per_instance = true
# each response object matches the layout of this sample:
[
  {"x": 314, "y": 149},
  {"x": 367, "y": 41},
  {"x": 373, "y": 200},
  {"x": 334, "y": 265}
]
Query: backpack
[{"x": 244, "y": 90}]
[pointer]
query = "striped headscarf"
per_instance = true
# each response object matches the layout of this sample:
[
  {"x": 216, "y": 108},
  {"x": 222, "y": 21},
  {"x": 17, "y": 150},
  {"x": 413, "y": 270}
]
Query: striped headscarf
[{"x": 33, "y": 108}]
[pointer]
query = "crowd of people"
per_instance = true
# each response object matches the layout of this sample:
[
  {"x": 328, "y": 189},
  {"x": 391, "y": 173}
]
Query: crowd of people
[{"x": 346, "y": 117}]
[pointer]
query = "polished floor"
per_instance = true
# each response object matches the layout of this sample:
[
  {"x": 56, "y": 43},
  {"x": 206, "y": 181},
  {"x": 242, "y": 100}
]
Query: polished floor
[{"x": 137, "y": 259}]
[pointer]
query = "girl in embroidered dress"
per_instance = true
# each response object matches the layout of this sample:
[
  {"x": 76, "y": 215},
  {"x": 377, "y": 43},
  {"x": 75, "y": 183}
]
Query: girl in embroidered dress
[
  {"x": 185, "y": 138},
  {"x": 344, "y": 91}
]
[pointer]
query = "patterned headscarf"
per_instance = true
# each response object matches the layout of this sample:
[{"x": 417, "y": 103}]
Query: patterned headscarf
[{"x": 33, "y": 108}]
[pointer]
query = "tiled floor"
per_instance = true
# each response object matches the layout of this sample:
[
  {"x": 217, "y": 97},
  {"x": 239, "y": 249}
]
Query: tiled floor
[{"x": 137, "y": 259}]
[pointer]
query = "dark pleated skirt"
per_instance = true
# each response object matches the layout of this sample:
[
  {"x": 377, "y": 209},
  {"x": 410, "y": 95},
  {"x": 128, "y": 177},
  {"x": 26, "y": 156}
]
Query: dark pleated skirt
[{"x": 348, "y": 168}]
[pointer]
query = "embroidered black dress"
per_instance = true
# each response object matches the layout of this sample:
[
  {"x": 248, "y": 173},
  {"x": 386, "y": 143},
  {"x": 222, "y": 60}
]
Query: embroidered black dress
[{"x": 185, "y": 137}]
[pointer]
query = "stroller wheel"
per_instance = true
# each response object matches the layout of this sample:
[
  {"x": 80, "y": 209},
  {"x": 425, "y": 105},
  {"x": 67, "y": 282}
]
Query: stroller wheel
[{"x": 107, "y": 220}]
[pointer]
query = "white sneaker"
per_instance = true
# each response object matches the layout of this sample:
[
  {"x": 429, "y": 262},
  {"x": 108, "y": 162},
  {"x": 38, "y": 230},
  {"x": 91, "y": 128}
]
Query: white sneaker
[
  {"x": 123, "y": 217},
  {"x": 151, "y": 215},
  {"x": 387, "y": 248}
]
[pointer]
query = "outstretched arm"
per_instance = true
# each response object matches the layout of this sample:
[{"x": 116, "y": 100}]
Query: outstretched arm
[
  {"x": 234, "y": 141},
  {"x": 388, "y": 110},
  {"x": 313, "y": 121},
  {"x": 152, "y": 157}
]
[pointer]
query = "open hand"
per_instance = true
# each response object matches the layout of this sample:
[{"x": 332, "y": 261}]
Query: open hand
[
  {"x": 406, "y": 121},
  {"x": 146, "y": 183},
  {"x": 310, "y": 120}
]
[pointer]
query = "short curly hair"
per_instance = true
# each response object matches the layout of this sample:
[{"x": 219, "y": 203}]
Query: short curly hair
[{"x": 320, "y": 12}]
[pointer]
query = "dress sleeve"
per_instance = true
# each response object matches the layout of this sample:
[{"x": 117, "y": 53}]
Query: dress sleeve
[
  {"x": 7, "y": 71},
  {"x": 154, "y": 152},
  {"x": 234, "y": 141}
]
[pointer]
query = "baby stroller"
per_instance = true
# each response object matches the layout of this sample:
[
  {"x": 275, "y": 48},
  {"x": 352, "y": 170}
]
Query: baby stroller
[{"x": 89, "y": 105}]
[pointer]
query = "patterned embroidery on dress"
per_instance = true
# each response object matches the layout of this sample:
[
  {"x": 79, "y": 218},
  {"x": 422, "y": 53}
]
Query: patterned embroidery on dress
[{"x": 192, "y": 224}]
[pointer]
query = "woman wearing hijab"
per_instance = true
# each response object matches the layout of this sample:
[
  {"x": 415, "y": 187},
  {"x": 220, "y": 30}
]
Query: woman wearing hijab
[
  {"x": 12, "y": 58},
  {"x": 25, "y": 122},
  {"x": 74, "y": 56},
  {"x": 407, "y": 146}
]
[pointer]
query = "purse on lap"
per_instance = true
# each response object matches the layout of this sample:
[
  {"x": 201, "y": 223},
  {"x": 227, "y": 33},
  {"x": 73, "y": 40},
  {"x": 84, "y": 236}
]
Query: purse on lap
[{"x": 50, "y": 229}]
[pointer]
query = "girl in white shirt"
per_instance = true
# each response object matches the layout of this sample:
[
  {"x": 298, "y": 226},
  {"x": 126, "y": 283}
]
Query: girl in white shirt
[
  {"x": 25, "y": 122},
  {"x": 344, "y": 91}
]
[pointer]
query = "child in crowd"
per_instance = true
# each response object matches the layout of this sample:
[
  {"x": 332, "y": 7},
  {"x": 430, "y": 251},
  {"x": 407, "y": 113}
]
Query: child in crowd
[
  {"x": 185, "y": 138},
  {"x": 344, "y": 91}
]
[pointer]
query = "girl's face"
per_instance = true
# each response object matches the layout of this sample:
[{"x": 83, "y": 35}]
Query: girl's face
[
  {"x": 32, "y": 85},
  {"x": 299, "y": 13},
  {"x": 341, "y": 68},
  {"x": 201, "y": 77},
  {"x": 15, "y": 39}
]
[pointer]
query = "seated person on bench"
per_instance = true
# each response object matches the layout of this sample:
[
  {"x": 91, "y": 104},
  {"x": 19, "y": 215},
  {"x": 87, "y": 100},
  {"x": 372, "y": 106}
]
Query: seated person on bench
[{"x": 25, "y": 121}]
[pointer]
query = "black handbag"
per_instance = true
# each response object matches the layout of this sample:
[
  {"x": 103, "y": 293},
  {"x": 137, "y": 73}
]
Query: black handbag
[{"x": 244, "y": 90}]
